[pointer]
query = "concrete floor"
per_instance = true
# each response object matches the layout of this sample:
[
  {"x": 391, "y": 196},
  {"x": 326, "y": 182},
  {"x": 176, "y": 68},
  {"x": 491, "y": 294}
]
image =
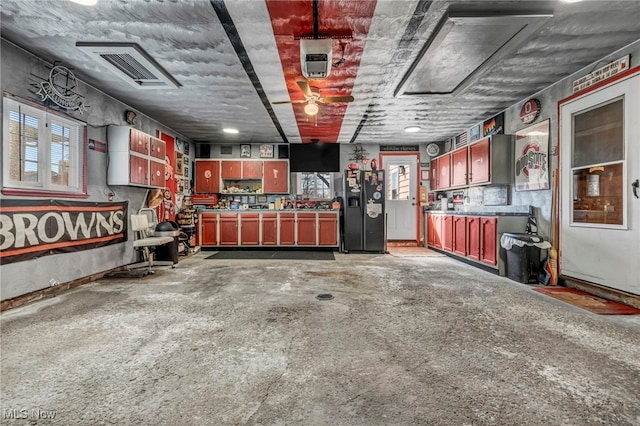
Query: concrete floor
[{"x": 406, "y": 340}]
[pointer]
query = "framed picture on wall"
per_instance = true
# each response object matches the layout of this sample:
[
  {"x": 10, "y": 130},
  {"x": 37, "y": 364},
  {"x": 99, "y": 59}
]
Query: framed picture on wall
[
  {"x": 179, "y": 164},
  {"x": 424, "y": 174},
  {"x": 532, "y": 158},
  {"x": 266, "y": 151},
  {"x": 245, "y": 151}
]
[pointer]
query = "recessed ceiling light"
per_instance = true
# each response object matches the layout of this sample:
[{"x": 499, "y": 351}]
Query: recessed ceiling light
[
  {"x": 571, "y": 1},
  {"x": 412, "y": 129},
  {"x": 86, "y": 2},
  {"x": 230, "y": 130}
]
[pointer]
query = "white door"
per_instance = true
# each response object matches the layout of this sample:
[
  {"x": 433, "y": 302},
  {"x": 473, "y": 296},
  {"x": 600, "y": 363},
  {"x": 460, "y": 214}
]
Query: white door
[
  {"x": 401, "y": 192},
  {"x": 600, "y": 162}
]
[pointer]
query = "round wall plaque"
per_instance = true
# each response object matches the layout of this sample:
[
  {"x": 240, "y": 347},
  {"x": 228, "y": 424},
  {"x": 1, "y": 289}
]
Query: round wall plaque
[{"x": 530, "y": 111}]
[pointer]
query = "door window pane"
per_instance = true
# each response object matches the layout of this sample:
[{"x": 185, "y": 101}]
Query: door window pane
[
  {"x": 598, "y": 135},
  {"x": 398, "y": 186},
  {"x": 597, "y": 194}
]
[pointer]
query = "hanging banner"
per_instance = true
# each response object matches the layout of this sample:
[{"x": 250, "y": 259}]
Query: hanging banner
[
  {"x": 34, "y": 228},
  {"x": 532, "y": 158}
]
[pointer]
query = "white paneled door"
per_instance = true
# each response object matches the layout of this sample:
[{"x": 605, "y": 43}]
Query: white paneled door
[
  {"x": 599, "y": 173},
  {"x": 401, "y": 196}
]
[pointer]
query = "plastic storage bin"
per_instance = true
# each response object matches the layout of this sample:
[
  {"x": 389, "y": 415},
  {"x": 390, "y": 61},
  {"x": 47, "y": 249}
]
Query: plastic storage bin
[{"x": 524, "y": 252}]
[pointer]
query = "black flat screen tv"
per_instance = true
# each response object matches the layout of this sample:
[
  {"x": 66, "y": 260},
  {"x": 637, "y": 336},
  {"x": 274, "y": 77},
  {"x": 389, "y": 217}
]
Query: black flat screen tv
[{"x": 314, "y": 157}]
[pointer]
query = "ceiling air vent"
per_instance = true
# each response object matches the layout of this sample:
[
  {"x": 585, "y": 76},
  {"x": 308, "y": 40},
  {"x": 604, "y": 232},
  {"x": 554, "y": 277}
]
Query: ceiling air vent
[{"x": 131, "y": 63}]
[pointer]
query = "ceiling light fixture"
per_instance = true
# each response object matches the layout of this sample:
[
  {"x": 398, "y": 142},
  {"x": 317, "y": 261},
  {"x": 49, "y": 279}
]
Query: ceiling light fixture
[
  {"x": 571, "y": 1},
  {"x": 86, "y": 2},
  {"x": 412, "y": 129},
  {"x": 311, "y": 108},
  {"x": 230, "y": 130}
]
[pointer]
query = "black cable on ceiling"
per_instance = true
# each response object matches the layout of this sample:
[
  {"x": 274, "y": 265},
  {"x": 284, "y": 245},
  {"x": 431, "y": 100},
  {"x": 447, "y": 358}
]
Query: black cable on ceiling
[
  {"x": 234, "y": 37},
  {"x": 315, "y": 19}
]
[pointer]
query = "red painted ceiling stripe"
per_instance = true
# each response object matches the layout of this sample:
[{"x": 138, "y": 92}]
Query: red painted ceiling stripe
[{"x": 292, "y": 19}]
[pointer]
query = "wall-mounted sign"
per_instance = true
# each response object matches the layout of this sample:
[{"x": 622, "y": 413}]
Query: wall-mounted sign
[
  {"x": 493, "y": 126},
  {"x": 603, "y": 73},
  {"x": 97, "y": 146},
  {"x": 532, "y": 157},
  {"x": 410, "y": 148},
  {"x": 60, "y": 90},
  {"x": 530, "y": 111},
  {"x": 35, "y": 228}
]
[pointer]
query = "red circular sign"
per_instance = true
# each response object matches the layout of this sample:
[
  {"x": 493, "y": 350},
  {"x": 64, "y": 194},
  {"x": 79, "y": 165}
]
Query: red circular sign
[{"x": 530, "y": 111}]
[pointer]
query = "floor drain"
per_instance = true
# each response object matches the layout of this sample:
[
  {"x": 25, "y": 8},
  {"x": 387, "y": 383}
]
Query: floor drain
[{"x": 325, "y": 296}]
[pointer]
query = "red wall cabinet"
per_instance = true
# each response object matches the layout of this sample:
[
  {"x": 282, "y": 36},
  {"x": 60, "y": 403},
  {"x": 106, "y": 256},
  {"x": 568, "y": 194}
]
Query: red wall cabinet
[
  {"x": 158, "y": 149},
  {"x": 473, "y": 237},
  {"x": 306, "y": 229},
  {"x": 156, "y": 177},
  {"x": 327, "y": 229},
  {"x": 269, "y": 229},
  {"x": 480, "y": 162},
  {"x": 138, "y": 141},
  {"x": 231, "y": 169},
  {"x": 209, "y": 233},
  {"x": 287, "y": 229},
  {"x": 138, "y": 170},
  {"x": 444, "y": 171},
  {"x": 489, "y": 237},
  {"x": 276, "y": 177},
  {"x": 460, "y": 235},
  {"x": 134, "y": 158},
  {"x": 229, "y": 229},
  {"x": 447, "y": 232},
  {"x": 249, "y": 229},
  {"x": 252, "y": 170},
  {"x": 459, "y": 167},
  {"x": 207, "y": 177}
]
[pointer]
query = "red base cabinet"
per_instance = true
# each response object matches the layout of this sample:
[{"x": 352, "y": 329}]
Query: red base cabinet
[
  {"x": 229, "y": 229},
  {"x": 249, "y": 229},
  {"x": 287, "y": 232},
  {"x": 209, "y": 230},
  {"x": 269, "y": 229},
  {"x": 473, "y": 237},
  {"x": 489, "y": 240},
  {"x": 460, "y": 235},
  {"x": 437, "y": 231},
  {"x": 306, "y": 229},
  {"x": 430, "y": 230},
  {"x": 447, "y": 232},
  {"x": 327, "y": 229}
]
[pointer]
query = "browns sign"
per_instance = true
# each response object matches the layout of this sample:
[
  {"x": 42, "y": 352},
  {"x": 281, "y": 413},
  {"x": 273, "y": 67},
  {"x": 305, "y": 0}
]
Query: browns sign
[{"x": 35, "y": 228}]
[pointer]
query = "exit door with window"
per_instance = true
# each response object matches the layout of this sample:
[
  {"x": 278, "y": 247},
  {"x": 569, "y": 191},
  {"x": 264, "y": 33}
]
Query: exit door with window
[{"x": 600, "y": 199}]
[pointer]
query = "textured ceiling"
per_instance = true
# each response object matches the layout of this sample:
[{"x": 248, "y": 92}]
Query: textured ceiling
[{"x": 235, "y": 58}]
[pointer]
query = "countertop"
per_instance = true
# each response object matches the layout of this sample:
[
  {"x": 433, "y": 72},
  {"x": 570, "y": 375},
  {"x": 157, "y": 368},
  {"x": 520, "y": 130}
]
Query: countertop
[
  {"x": 460, "y": 213},
  {"x": 268, "y": 211}
]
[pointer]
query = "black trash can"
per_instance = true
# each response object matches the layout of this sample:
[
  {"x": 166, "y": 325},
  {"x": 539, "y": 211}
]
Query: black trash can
[
  {"x": 524, "y": 252},
  {"x": 168, "y": 251}
]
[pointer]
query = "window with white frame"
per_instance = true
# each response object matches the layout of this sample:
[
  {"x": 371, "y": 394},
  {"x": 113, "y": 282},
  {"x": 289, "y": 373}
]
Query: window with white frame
[
  {"x": 315, "y": 186},
  {"x": 42, "y": 151}
]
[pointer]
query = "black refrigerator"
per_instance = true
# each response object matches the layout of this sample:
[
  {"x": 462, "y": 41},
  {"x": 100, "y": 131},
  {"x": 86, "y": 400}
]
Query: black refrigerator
[{"x": 364, "y": 219}]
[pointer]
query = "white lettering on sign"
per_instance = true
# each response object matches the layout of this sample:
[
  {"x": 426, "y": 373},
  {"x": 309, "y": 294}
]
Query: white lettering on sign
[
  {"x": 28, "y": 228},
  {"x": 601, "y": 74}
]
